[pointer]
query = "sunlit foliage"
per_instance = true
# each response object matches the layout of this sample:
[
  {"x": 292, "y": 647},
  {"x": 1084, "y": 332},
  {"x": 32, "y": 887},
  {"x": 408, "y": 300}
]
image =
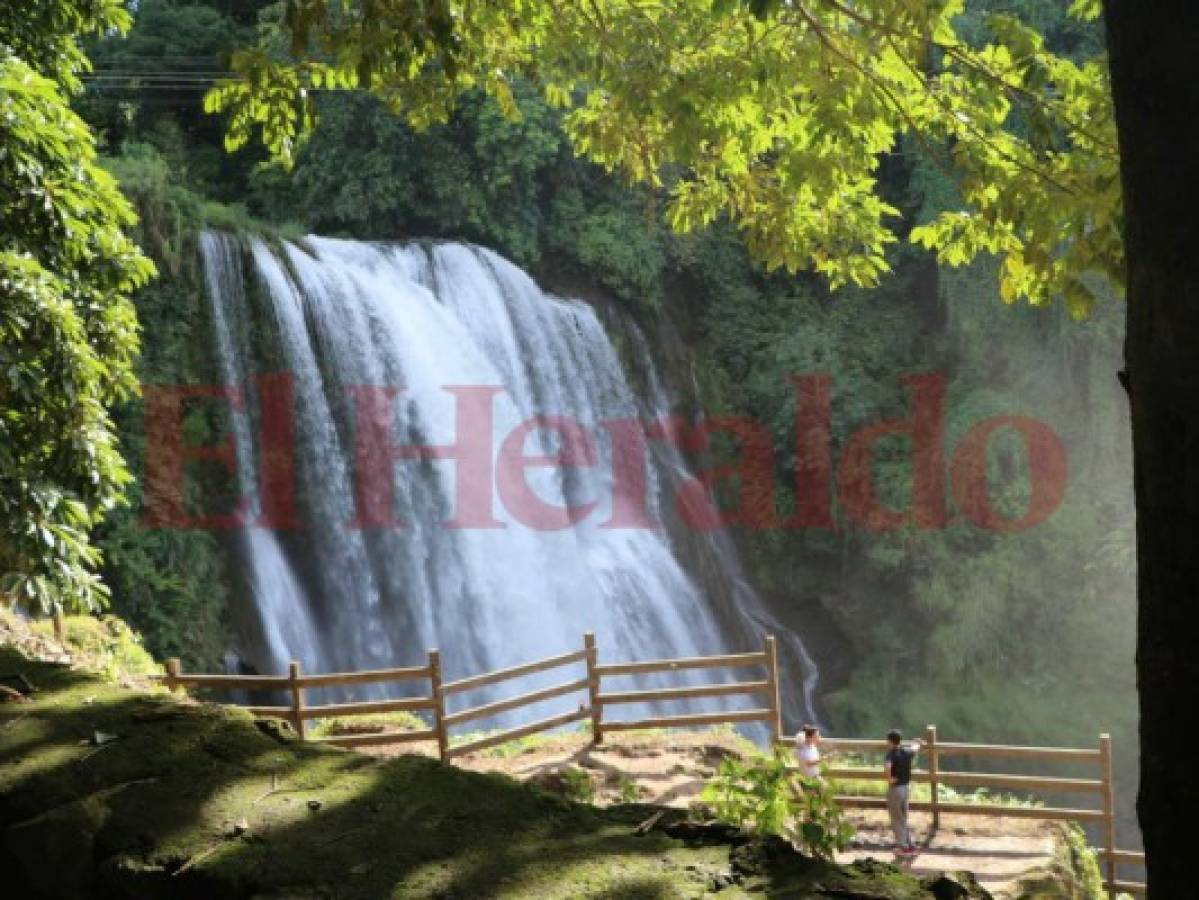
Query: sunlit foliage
[
  {"x": 68, "y": 333},
  {"x": 776, "y": 115}
]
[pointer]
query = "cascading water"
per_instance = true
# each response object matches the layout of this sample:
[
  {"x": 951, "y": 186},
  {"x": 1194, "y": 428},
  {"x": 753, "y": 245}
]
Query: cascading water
[
  {"x": 717, "y": 542},
  {"x": 441, "y": 327},
  {"x": 286, "y": 623}
]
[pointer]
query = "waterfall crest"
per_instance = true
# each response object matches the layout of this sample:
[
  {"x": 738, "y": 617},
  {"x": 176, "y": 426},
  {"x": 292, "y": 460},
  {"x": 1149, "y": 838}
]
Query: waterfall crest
[{"x": 425, "y": 322}]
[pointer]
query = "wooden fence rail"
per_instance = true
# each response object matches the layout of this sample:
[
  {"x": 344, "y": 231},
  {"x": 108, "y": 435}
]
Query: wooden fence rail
[
  {"x": 487, "y": 710},
  {"x": 601, "y": 699},
  {"x": 299, "y": 713},
  {"x": 1116, "y": 858},
  {"x": 596, "y": 699}
]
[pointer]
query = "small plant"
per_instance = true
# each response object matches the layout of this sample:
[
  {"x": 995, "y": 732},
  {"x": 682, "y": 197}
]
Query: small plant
[
  {"x": 821, "y": 828},
  {"x": 1084, "y": 860},
  {"x": 764, "y": 796},
  {"x": 626, "y": 787},
  {"x": 578, "y": 785}
]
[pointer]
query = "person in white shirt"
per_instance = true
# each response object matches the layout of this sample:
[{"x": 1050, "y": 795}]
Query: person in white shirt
[{"x": 807, "y": 748}]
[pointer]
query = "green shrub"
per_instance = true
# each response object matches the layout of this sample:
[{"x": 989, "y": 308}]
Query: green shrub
[
  {"x": 106, "y": 645},
  {"x": 167, "y": 212},
  {"x": 578, "y": 785},
  {"x": 764, "y": 796},
  {"x": 1085, "y": 861}
]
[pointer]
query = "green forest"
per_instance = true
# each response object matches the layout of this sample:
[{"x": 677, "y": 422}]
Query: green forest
[{"x": 1024, "y": 636}]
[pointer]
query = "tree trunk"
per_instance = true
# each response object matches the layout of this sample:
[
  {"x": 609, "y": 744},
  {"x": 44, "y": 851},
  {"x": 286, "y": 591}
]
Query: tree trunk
[{"x": 1155, "y": 82}]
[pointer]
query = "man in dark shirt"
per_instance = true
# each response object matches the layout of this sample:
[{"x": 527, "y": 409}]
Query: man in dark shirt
[{"x": 897, "y": 765}]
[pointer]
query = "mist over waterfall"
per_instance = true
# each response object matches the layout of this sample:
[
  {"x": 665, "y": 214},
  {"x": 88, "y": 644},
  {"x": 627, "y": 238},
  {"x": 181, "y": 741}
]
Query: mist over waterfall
[{"x": 423, "y": 326}]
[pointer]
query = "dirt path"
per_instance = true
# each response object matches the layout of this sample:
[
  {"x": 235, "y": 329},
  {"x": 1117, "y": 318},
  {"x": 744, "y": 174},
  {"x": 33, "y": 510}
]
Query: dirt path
[
  {"x": 997, "y": 850},
  {"x": 672, "y": 768}
]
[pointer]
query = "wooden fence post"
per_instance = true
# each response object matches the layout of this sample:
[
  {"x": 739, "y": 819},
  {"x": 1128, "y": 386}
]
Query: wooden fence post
[
  {"x": 297, "y": 697},
  {"x": 772, "y": 680},
  {"x": 930, "y": 738},
  {"x": 593, "y": 688},
  {"x": 443, "y": 738},
  {"x": 174, "y": 673},
  {"x": 1109, "y": 809}
]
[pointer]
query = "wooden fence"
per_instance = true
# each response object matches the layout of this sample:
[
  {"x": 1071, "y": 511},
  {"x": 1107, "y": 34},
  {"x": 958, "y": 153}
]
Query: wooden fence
[
  {"x": 599, "y": 699},
  {"x": 770, "y": 713},
  {"x": 936, "y": 751},
  {"x": 299, "y": 712}
]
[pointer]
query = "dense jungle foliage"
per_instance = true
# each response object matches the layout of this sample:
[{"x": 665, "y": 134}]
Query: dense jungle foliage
[{"x": 992, "y": 635}]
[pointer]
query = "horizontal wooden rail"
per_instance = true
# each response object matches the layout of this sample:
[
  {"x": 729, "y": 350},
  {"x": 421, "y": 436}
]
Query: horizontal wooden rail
[
  {"x": 979, "y": 779},
  {"x": 512, "y": 734},
  {"x": 282, "y": 682},
  {"x": 679, "y": 693},
  {"x": 228, "y": 682},
  {"x": 981, "y": 809},
  {"x": 945, "y": 748},
  {"x": 1127, "y": 887},
  {"x": 368, "y": 676},
  {"x": 1044, "y": 783},
  {"x": 1022, "y": 812},
  {"x": 276, "y": 712},
  {"x": 855, "y": 774},
  {"x": 368, "y": 708},
  {"x": 851, "y": 745},
  {"x": 673, "y": 665},
  {"x": 476, "y": 681},
  {"x": 948, "y": 748},
  {"x": 499, "y": 706},
  {"x": 1113, "y": 858},
  {"x": 692, "y": 719},
  {"x": 377, "y": 739},
  {"x": 1126, "y": 857}
]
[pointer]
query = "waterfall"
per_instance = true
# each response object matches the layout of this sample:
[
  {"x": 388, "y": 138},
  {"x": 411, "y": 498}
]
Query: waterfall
[
  {"x": 717, "y": 542},
  {"x": 431, "y": 324},
  {"x": 286, "y": 623}
]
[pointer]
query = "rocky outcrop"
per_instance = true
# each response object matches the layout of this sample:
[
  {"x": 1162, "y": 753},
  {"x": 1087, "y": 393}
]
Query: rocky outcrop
[{"x": 1073, "y": 873}]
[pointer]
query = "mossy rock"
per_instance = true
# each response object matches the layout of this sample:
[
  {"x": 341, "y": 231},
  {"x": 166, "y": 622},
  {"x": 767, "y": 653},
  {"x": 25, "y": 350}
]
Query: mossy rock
[{"x": 1073, "y": 873}]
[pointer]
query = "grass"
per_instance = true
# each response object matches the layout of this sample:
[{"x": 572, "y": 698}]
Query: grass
[
  {"x": 517, "y": 746},
  {"x": 199, "y": 801},
  {"x": 533, "y": 742},
  {"x": 368, "y": 724},
  {"x": 105, "y": 645}
]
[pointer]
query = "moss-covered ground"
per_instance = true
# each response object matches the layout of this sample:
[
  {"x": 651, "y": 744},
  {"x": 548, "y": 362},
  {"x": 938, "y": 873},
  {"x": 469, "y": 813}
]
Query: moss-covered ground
[{"x": 107, "y": 791}]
